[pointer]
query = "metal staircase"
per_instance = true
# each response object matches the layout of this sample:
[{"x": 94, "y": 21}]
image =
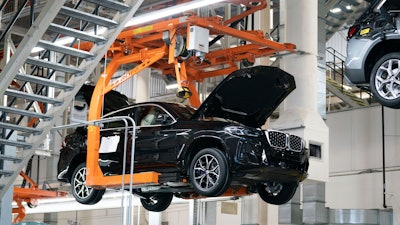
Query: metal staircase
[
  {"x": 37, "y": 75},
  {"x": 335, "y": 82}
]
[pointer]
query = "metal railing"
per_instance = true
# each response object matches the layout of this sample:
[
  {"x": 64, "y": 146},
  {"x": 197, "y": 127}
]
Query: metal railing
[
  {"x": 129, "y": 125},
  {"x": 335, "y": 63}
]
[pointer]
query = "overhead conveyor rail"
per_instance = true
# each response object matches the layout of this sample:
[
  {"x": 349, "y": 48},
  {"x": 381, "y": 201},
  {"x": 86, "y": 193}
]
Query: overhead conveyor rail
[{"x": 46, "y": 66}]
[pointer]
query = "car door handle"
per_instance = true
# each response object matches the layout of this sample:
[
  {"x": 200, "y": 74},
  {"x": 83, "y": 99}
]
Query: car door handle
[{"x": 161, "y": 133}]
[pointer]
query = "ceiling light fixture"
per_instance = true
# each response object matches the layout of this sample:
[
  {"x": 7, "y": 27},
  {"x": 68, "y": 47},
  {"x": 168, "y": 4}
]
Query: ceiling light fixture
[
  {"x": 145, "y": 18},
  {"x": 335, "y": 10},
  {"x": 148, "y": 17},
  {"x": 171, "y": 86}
]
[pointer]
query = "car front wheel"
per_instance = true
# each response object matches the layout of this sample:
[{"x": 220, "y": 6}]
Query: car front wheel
[
  {"x": 82, "y": 193},
  {"x": 156, "y": 202},
  {"x": 209, "y": 172},
  {"x": 385, "y": 80},
  {"x": 276, "y": 193}
]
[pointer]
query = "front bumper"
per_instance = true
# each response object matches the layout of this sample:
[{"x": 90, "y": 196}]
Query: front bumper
[{"x": 280, "y": 156}]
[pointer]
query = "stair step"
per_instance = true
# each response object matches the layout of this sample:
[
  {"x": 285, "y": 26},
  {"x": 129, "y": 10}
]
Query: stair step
[
  {"x": 88, "y": 17},
  {"x": 10, "y": 158},
  {"x": 119, "y": 6},
  {"x": 76, "y": 33},
  {"x": 15, "y": 143},
  {"x": 44, "y": 81},
  {"x": 20, "y": 128},
  {"x": 65, "y": 50},
  {"x": 55, "y": 66},
  {"x": 23, "y": 112},
  {"x": 6, "y": 173},
  {"x": 33, "y": 97}
]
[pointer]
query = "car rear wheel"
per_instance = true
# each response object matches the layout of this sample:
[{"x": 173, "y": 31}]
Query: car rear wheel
[
  {"x": 209, "y": 172},
  {"x": 156, "y": 202},
  {"x": 385, "y": 80},
  {"x": 276, "y": 193},
  {"x": 82, "y": 193}
]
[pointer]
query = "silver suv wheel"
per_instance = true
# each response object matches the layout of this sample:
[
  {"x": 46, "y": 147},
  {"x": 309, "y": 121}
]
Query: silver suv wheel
[{"x": 385, "y": 80}]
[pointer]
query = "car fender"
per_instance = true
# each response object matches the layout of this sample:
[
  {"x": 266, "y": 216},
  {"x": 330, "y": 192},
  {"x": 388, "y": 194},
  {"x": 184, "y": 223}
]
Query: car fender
[
  {"x": 198, "y": 142},
  {"x": 362, "y": 53},
  {"x": 74, "y": 162}
]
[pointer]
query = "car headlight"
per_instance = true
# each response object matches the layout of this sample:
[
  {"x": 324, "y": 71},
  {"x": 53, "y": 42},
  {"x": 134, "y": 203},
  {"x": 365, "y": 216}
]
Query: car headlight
[{"x": 242, "y": 131}]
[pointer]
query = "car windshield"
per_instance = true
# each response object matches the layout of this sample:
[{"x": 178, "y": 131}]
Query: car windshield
[{"x": 183, "y": 111}]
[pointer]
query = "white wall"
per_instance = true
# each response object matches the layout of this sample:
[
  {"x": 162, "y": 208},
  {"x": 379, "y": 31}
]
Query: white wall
[
  {"x": 356, "y": 159},
  {"x": 338, "y": 41}
]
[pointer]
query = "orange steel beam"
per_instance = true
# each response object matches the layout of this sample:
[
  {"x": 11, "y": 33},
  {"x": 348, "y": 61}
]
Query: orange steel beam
[
  {"x": 30, "y": 195},
  {"x": 146, "y": 47}
]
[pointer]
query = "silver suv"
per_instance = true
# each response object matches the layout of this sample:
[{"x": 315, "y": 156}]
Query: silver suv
[{"x": 373, "y": 52}]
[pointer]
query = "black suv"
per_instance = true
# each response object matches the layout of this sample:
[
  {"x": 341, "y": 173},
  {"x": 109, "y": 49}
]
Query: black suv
[
  {"x": 373, "y": 52},
  {"x": 200, "y": 152}
]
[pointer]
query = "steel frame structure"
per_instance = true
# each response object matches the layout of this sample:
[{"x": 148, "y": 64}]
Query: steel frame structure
[
  {"x": 148, "y": 48},
  {"x": 30, "y": 195}
]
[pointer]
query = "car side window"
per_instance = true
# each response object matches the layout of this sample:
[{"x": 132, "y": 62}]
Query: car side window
[
  {"x": 151, "y": 115},
  {"x": 118, "y": 123}
]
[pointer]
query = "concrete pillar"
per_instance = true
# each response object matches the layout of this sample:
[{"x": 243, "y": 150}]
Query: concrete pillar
[
  {"x": 262, "y": 22},
  {"x": 142, "y": 85},
  {"x": 299, "y": 114},
  {"x": 210, "y": 213},
  {"x": 314, "y": 210},
  {"x": 154, "y": 218},
  {"x": 321, "y": 96},
  {"x": 249, "y": 205},
  {"x": 290, "y": 213},
  {"x": 193, "y": 208}
]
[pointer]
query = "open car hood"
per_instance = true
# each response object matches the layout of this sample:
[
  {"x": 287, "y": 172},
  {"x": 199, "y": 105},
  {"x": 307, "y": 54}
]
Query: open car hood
[{"x": 248, "y": 96}]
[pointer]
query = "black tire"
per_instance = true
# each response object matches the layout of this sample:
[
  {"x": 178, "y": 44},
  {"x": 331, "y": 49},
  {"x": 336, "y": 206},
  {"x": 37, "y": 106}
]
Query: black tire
[
  {"x": 156, "y": 202},
  {"x": 276, "y": 193},
  {"x": 209, "y": 172},
  {"x": 385, "y": 80},
  {"x": 82, "y": 193}
]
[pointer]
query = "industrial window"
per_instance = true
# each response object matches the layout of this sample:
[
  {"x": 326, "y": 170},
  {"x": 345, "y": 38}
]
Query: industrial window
[{"x": 315, "y": 151}]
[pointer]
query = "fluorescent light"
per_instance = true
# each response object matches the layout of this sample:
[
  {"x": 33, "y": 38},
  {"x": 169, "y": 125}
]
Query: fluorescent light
[
  {"x": 171, "y": 86},
  {"x": 381, "y": 4},
  {"x": 335, "y": 10},
  {"x": 148, "y": 17}
]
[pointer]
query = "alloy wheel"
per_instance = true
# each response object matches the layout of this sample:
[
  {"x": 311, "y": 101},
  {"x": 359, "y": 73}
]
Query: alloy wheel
[
  {"x": 80, "y": 188},
  {"x": 387, "y": 79},
  {"x": 206, "y": 171}
]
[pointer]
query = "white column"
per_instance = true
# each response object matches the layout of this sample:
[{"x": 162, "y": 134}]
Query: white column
[
  {"x": 154, "y": 218},
  {"x": 142, "y": 85},
  {"x": 210, "y": 213},
  {"x": 250, "y": 213},
  {"x": 300, "y": 112}
]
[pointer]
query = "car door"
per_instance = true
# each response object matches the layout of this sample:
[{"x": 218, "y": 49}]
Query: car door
[
  {"x": 112, "y": 141},
  {"x": 155, "y": 139}
]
